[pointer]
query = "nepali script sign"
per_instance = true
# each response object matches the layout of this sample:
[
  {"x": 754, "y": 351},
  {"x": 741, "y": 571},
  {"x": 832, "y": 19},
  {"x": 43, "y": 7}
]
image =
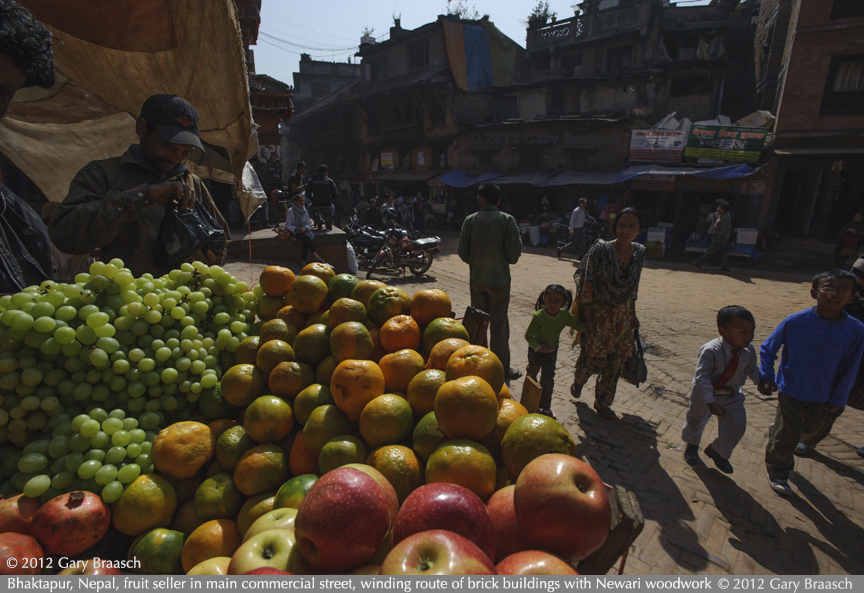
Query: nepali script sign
[
  {"x": 657, "y": 146},
  {"x": 726, "y": 143}
]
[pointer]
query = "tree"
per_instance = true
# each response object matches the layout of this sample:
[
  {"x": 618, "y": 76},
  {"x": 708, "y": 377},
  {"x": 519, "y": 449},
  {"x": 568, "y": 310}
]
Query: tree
[
  {"x": 460, "y": 8},
  {"x": 541, "y": 13},
  {"x": 367, "y": 31}
]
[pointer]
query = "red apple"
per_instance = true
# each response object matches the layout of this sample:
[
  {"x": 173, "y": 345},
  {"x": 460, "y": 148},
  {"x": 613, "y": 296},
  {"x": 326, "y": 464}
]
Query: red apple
[
  {"x": 446, "y": 506},
  {"x": 534, "y": 562},
  {"x": 16, "y": 513},
  {"x": 342, "y": 521},
  {"x": 508, "y": 535},
  {"x": 562, "y": 506},
  {"x": 436, "y": 552},
  {"x": 20, "y": 554},
  {"x": 385, "y": 484},
  {"x": 87, "y": 567},
  {"x": 270, "y": 549},
  {"x": 265, "y": 570}
]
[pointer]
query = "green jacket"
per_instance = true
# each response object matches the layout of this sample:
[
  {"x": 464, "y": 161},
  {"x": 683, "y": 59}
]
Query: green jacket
[{"x": 489, "y": 244}]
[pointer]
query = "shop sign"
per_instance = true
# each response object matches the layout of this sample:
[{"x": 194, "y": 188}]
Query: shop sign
[
  {"x": 726, "y": 143},
  {"x": 654, "y": 182},
  {"x": 657, "y": 146},
  {"x": 386, "y": 160}
]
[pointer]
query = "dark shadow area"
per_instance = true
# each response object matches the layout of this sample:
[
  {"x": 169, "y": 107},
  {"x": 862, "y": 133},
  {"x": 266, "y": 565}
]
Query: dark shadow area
[
  {"x": 837, "y": 466},
  {"x": 625, "y": 452}
]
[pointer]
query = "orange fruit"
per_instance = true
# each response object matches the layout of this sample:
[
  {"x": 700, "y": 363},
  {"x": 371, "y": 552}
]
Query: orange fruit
[
  {"x": 276, "y": 280},
  {"x": 364, "y": 289},
  {"x": 306, "y": 295},
  {"x": 341, "y": 286},
  {"x": 317, "y": 317},
  {"x": 503, "y": 477},
  {"x": 292, "y": 316},
  {"x": 324, "y": 370},
  {"x": 386, "y": 303},
  {"x": 351, "y": 340},
  {"x": 508, "y": 412},
  {"x": 261, "y": 469},
  {"x": 399, "y": 333},
  {"x": 217, "y": 427},
  {"x": 322, "y": 271},
  {"x": 354, "y": 384},
  {"x": 292, "y": 492},
  {"x": 339, "y": 451},
  {"x": 441, "y": 352},
  {"x": 386, "y": 420},
  {"x": 148, "y": 501},
  {"x": 301, "y": 460},
  {"x": 218, "y": 497},
  {"x": 441, "y": 329},
  {"x": 247, "y": 350},
  {"x": 231, "y": 445},
  {"x": 505, "y": 392},
  {"x": 427, "y": 436},
  {"x": 466, "y": 408},
  {"x": 346, "y": 310},
  {"x": 277, "y": 329},
  {"x": 310, "y": 398},
  {"x": 465, "y": 463},
  {"x": 324, "y": 423},
  {"x": 401, "y": 466},
  {"x": 375, "y": 332},
  {"x": 185, "y": 489},
  {"x": 241, "y": 384},
  {"x": 313, "y": 344},
  {"x": 268, "y": 307},
  {"x": 430, "y": 304},
  {"x": 271, "y": 353},
  {"x": 186, "y": 519},
  {"x": 268, "y": 419},
  {"x": 252, "y": 509},
  {"x": 290, "y": 378},
  {"x": 478, "y": 361},
  {"x": 422, "y": 390},
  {"x": 219, "y": 537},
  {"x": 180, "y": 450},
  {"x": 157, "y": 552},
  {"x": 531, "y": 436},
  {"x": 399, "y": 368}
]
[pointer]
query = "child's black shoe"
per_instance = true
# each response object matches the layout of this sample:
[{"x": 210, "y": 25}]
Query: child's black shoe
[
  {"x": 722, "y": 464},
  {"x": 691, "y": 455}
]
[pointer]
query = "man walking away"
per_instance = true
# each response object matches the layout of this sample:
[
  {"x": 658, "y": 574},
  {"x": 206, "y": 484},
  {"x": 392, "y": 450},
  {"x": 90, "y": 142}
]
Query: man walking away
[
  {"x": 295, "y": 182},
  {"x": 323, "y": 193},
  {"x": 719, "y": 232},
  {"x": 577, "y": 229},
  {"x": 490, "y": 243}
]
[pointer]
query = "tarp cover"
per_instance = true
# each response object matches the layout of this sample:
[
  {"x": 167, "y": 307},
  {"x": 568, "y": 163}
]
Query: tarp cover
[
  {"x": 110, "y": 56},
  {"x": 458, "y": 179},
  {"x": 725, "y": 172},
  {"x": 480, "y": 55}
]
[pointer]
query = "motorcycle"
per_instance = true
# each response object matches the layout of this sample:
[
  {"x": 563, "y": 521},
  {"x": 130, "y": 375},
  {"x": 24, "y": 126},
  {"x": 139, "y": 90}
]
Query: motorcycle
[
  {"x": 401, "y": 250},
  {"x": 365, "y": 240},
  {"x": 593, "y": 232}
]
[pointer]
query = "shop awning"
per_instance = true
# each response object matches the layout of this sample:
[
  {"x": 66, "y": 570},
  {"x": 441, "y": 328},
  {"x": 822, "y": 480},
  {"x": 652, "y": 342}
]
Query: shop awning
[
  {"x": 458, "y": 179},
  {"x": 417, "y": 176},
  {"x": 724, "y": 172},
  {"x": 528, "y": 179},
  {"x": 573, "y": 178}
]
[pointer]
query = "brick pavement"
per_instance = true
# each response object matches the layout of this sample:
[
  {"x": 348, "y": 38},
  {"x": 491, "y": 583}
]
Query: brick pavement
[{"x": 697, "y": 521}]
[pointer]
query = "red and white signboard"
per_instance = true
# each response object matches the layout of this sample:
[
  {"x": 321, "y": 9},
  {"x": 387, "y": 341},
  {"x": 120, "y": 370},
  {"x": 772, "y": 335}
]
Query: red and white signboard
[
  {"x": 657, "y": 146},
  {"x": 654, "y": 182}
]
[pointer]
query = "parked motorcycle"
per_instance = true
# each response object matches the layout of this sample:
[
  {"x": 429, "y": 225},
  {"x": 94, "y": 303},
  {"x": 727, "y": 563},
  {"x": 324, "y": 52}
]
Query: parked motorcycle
[
  {"x": 400, "y": 250},
  {"x": 593, "y": 232},
  {"x": 366, "y": 241}
]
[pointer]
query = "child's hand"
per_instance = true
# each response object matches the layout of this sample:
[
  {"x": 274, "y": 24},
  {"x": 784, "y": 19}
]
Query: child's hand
[
  {"x": 544, "y": 348},
  {"x": 767, "y": 387},
  {"x": 717, "y": 409}
]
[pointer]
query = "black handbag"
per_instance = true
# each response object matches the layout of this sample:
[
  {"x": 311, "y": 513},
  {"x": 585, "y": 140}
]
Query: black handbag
[
  {"x": 635, "y": 370},
  {"x": 183, "y": 233}
]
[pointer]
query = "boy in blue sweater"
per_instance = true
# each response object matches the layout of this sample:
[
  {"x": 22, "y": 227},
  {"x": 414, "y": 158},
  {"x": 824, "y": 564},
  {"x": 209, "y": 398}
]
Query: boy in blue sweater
[{"x": 822, "y": 349}]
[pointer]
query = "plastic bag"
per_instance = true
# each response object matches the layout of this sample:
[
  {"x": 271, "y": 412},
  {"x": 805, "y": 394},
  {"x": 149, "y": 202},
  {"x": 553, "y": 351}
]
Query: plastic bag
[{"x": 182, "y": 234}]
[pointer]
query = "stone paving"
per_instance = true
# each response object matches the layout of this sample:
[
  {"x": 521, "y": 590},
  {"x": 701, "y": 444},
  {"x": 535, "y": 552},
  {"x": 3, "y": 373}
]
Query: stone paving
[{"x": 697, "y": 520}]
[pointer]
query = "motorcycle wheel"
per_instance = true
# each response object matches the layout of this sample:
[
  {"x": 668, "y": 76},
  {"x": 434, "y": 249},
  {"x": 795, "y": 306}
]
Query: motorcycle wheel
[
  {"x": 421, "y": 264},
  {"x": 379, "y": 259}
]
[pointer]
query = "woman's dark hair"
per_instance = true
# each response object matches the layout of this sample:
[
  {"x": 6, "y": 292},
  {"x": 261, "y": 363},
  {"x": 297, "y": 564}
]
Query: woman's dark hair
[
  {"x": 631, "y": 211},
  {"x": 489, "y": 192},
  {"x": 835, "y": 274},
  {"x": 568, "y": 296},
  {"x": 26, "y": 42},
  {"x": 726, "y": 315}
]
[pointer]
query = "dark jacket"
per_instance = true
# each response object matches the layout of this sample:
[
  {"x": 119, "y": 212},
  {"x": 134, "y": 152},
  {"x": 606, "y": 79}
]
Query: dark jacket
[
  {"x": 321, "y": 190},
  {"x": 25, "y": 250}
]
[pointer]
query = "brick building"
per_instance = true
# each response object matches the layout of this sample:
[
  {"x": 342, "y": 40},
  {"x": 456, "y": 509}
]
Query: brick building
[{"x": 317, "y": 79}]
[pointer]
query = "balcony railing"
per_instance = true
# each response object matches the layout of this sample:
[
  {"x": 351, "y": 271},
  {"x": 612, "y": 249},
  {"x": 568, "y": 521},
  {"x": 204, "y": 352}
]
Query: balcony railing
[{"x": 586, "y": 27}]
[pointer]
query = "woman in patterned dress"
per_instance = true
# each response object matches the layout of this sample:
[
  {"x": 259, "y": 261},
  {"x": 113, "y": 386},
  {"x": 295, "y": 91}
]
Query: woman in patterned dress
[{"x": 607, "y": 293}]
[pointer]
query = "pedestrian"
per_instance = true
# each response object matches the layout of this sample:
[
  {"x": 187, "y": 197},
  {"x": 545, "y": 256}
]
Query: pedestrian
[
  {"x": 295, "y": 182},
  {"x": 322, "y": 192},
  {"x": 723, "y": 367},
  {"x": 299, "y": 225},
  {"x": 551, "y": 316},
  {"x": 849, "y": 241},
  {"x": 406, "y": 214},
  {"x": 419, "y": 212},
  {"x": 25, "y": 61},
  {"x": 856, "y": 394},
  {"x": 118, "y": 204},
  {"x": 489, "y": 243},
  {"x": 577, "y": 229},
  {"x": 719, "y": 232},
  {"x": 822, "y": 349},
  {"x": 607, "y": 292}
]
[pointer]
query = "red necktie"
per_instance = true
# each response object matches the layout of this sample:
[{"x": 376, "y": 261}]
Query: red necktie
[{"x": 730, "y": 370}]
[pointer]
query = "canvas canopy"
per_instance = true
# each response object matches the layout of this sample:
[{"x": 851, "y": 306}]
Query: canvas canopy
[{"x": 109, "y": 57}]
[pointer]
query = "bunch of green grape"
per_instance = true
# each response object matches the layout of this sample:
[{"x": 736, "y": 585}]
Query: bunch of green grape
[
  {"x": 110, "y": 340},
  {"x": 100, "y": 451}
]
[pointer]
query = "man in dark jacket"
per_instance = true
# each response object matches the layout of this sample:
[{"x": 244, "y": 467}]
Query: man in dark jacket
[
  {"x": 25, "y": 61},
  {"x": 323, "y": 193}
]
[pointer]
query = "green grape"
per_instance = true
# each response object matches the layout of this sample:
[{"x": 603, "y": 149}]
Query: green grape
[
  {"x": 88, "y": 469},
  {"x": 30, "y": 403},
  {"x": 146, "y": 364},
  {"x": 97, "y": 319},
  {"x": 106, "y": 331},
  {"x": 22, "y": 321},
  {"x": 98, "y": 357},
  {"x": 152, "y": 317},
  {"x": 116, "y": 455},
  {"x": 120, "y": 438},
  {"x": 143, "y": 460},
  {"x": 162, "y": 354},
  {"x": 44, "y": 324},
  {"x": 132, "y": 450},
  {"x": 117, "y": 413},
  {"x": 128, "y": 473},
  {"x": 150, "y": 469},
  {"x": 78, "y": 443},
  {"x": 209, "y": 381},
  {"x": 95, "y": 455},
  {"x": 100, "y": 439},
  {"x": 89, "y": 428},
  {"x": 64, "y": 429},
  {"x": 121, "y": 367},
  {"x": 136, "y": 389},
  {"x": 148, "y": 420},
  {"x": 32, "y": 463},
  {"x": 136, "y": 404},
  {"x": 130, "y": 424},
  {"x": 137, "y": 436},
  {"x": 63, "y": 479},
  {"x": 86, "y": 335},
  {"x": 106, "y": 475},
  {"x": 169, "y": 375},
  {"x": 37, "y": 486},
  {"x": 109, "y": 345},
  {"x": 112, "y": 491},
  {"x": 59, "y": 446},
  {"x": 146, "y": 446},
  {"x": 136, "y": 309},
  {"x": 40, "y": 446},
  {"x": 98, "y": 414},
  {"x": 111, "y": 425},
  {"x": 73, "y": 461}
]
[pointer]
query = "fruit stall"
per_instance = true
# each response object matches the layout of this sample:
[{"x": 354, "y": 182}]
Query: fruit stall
[{"x": 317, "y": 424}]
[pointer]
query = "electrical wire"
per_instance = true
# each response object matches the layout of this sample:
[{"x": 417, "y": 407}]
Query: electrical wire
[
  {"x": 302, "y": 46},
  {"x": 304, "y": 28}
]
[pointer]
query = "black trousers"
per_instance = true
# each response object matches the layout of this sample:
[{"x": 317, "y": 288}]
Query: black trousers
[
  {"x": 306, "y": 245},
  {"x": 544, "y": 363},
  {"x": 794, "y": 422}
]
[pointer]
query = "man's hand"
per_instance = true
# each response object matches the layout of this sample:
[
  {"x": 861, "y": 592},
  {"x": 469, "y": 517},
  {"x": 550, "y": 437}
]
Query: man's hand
[
  {"x": 767, "y": 387},
  {"x": 206, "y": 256},
  {"x": 571, "y": 233},
  {"x": 717, "y": 409},
  {"x": 169, "y": 192},
  {"x": 301, "y": 229}
]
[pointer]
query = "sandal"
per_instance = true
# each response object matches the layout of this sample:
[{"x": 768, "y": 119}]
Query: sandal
[
  {"x": 576, "y": 391},
  {"x": 605, "y": 411},
  {"x": 547, "y": 412}
]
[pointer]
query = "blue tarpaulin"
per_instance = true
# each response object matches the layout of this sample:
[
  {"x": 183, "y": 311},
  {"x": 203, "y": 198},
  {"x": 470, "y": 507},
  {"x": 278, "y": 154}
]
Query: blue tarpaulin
[
  {"x": 478, "y": 59},
  {"x": 458, "y": 179},
  {"x": 725, "y": 172}
]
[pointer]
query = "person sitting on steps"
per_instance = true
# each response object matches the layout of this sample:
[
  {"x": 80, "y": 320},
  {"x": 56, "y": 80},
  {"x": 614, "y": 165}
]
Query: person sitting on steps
[{"x": 298, "y": 225}]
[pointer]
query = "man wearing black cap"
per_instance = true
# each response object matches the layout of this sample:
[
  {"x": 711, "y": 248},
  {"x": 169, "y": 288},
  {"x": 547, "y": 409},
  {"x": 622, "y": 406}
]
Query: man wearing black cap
[{"x": 118, "y": 204}]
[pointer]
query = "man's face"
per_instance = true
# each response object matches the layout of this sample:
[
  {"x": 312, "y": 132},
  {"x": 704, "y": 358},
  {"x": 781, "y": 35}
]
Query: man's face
[
  {"x": 301, "y": 171},
  {"x": 11, "y": 79},
  {"x": 161, "y": 154}
]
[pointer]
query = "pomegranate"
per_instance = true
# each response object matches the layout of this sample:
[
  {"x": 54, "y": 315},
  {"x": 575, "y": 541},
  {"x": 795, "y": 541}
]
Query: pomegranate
[
  {"x": 70, "y": 523},
  {"x": 19, "y": 554},
  {"x": 16, "y": 513}
]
